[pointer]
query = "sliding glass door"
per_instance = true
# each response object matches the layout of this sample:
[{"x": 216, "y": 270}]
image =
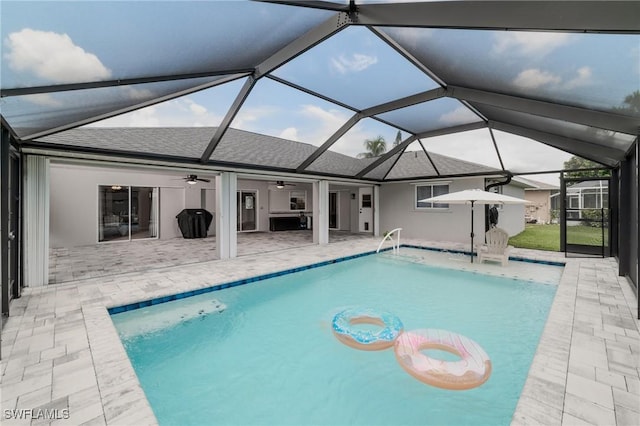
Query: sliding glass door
[
  {"x": 247, "y": 217},
  {"x": 127, "y": 212}
]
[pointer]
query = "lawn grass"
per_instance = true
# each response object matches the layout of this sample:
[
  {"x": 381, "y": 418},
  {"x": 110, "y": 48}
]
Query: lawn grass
[
  {"x": 538, "y": 237},
  {"x": 547, "y": 237}
]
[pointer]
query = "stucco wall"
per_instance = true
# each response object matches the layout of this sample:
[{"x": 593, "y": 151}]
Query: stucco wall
[
  {"x": 74, "y": 199},
  {"x": 511, "y": 217},
  {"x": 540, "y": 208},
  {"x": 453, "y": 224}
]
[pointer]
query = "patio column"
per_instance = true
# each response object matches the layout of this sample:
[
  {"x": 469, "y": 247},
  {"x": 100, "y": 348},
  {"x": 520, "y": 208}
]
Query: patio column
[
  {"x": 36, "y": 221},
  {"x": 376, "y": 210},
  {"x": 321, "y": 212},
  {"x": 226, "y": 215}
]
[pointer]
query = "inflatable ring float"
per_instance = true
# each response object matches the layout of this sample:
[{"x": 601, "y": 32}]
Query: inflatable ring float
[
  {"x": 472, "y": 370},
  {"x": 366, "y": 340}
]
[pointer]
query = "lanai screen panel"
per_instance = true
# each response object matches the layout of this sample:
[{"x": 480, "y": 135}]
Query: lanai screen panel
[
  {"x": 596, "y": 71},
  {"x": 254, "y": 149},
  {"x": 356, "y": 68},
  {"x": 475, "y": 146},
  {"x": 522, "y": 155},
  {"x": 198, "y": 109},
  {"x": 617, "y": 140},
  {"x": 134, "y": 39},
  {"x": 30, "y": 115},
  {"x": 277, "y": 110},
  {"x": 413, "y": 163},
  {"x": 164, "y": 142},
  {"x": 381, "y": 171},
  {"x": 436, "y": 114},
  {"x": 353, "y": 145}
]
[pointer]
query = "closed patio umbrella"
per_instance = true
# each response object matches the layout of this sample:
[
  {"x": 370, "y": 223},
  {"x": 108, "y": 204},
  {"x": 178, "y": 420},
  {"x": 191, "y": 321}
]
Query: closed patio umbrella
[{"x": 474, "y": 196}]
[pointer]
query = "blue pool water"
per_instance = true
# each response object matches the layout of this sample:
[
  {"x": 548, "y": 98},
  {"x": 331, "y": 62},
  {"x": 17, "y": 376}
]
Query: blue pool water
[{"x": 264, "y": 353}]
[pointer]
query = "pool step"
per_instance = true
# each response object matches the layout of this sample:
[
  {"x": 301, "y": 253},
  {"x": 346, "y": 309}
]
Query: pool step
[{"x": 403, "y": 257}]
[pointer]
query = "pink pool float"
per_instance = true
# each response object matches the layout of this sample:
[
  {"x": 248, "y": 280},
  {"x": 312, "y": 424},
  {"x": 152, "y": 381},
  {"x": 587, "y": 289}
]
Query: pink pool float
[{"x": 472, "y": 370}]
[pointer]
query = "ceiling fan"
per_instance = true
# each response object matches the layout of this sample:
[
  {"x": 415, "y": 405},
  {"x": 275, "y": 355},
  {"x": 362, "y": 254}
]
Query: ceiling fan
[
  {"x": 280, "y": 184},
  {"x": 193, "y": 179}
]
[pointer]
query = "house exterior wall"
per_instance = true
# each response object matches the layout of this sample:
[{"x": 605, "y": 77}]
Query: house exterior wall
[
  {"x": 511, "y": 217},
  {"x": 540, "y": 209},
  {"x": 74, "y": 199},
  {"x": 453, "y": 224},
  {"x": 397, "y": 210}
]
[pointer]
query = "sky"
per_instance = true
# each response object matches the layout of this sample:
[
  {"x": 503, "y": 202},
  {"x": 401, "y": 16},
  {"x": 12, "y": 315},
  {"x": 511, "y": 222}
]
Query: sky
[{"x": 61, "y": 42}]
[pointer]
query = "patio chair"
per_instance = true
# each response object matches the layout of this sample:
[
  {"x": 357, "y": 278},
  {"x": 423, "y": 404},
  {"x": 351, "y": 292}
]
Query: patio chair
[{"x": 496, "y": 247}]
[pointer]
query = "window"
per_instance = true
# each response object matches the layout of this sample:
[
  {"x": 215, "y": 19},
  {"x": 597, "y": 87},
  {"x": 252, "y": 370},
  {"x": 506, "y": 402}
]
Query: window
[
  {"x": 428, "y": 191},
  {"x": 298, "y": 200},
  {"x": 366, "y": 201},
  {"x": 127, "y": 212},
  {"x": 574, "y": 201}
]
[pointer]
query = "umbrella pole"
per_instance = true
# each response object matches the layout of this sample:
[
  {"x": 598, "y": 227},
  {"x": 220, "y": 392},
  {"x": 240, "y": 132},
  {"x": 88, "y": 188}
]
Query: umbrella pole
[{"x": 472, "y": 231}]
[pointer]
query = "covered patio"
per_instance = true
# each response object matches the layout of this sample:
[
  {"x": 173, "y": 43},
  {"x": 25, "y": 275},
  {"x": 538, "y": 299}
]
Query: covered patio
[{"x": 108, "y": 260}]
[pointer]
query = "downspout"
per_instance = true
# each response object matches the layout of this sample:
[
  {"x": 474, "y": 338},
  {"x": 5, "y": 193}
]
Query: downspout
[{"x": 486, "y": 206}]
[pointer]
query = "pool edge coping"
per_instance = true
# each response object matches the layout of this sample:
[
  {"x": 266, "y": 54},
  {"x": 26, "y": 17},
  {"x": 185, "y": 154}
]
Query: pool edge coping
[{"x": 114, "y": 310}]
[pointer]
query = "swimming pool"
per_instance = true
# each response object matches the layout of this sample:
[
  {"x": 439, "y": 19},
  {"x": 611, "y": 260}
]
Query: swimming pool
[{"x": 265, "y": 353}]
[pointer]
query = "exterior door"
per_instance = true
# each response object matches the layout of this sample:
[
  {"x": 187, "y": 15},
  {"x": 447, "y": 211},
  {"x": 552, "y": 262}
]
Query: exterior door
[
  {"x": 365, "y": 209},
  {"x": 333, "y": 210},
  {"x": 14, "y": 230},
  {"x": 247, "y": 216},
  {"x": 585, "y": 227}
]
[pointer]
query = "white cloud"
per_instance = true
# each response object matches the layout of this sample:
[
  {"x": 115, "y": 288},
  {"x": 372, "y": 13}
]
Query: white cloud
[
  {"x": 197, "y": 109},
  {"x": 290, "y": 133},
  {"x": 182, "y": 112},
  {"x": 533, "y": 78},
  {"x": 530, "y": 43},
  {"x": 145, "y": 117},
  {"x": 43, "y": 99},
  {"x": 53, "y": 57},
  {"x": 247, "y": 116},
  {"x": 583, "y": 78},
  {"x": 356, "y": 63},
  {"x": 460, "y": 115}
]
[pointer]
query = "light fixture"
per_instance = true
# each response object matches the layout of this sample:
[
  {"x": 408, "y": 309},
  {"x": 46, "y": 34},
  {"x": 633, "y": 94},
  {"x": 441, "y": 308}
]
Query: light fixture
[
  {"x": 192, "y": 182},
  {"x": 116, "y": 187},
  {"x": 279, "y": 184}
]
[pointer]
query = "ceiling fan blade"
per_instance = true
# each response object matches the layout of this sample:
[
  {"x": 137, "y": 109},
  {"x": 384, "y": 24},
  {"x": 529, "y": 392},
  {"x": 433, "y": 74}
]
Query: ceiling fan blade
[{"x": 203, "y": 180}]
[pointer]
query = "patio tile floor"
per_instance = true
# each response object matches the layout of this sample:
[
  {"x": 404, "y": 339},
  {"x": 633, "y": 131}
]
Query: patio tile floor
[{"x": 61, "y": 351}]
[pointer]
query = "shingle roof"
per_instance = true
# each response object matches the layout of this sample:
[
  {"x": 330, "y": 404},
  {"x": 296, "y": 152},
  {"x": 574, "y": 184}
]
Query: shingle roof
[{"x": 243, "y": 147}]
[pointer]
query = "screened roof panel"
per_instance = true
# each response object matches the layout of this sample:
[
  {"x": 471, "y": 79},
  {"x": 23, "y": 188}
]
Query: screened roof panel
[
  {"x": 596, "y": 71},
  {"x": 338, "y": 164},
  {"x": 175, "y": 142},
  {"x": 436, "y": 114},
  {"x": 249, "y": 148},
  {"x": 95, "y": 41},
  {"x": 348, "y": 66},
  {"x": 521, "y": 155},
  {"x": 380, "y": 171},
  {"x": 203, "y": 108},
  {"x": 475, "y": 146},
  {"x": 86, "y": 43},
  {"x": 620, "y": 141},
  {"x": 32, "y": 114},
  {"x": 353, "y": 142},
  {"x": 278, "y": 110},
  {"x": 412, "y": 164}
]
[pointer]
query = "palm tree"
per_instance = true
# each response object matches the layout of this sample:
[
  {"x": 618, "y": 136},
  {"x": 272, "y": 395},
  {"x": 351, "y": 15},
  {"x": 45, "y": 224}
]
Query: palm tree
[
  {"x": 375, "y": 147},
  {"x": 398, "y": 139}
]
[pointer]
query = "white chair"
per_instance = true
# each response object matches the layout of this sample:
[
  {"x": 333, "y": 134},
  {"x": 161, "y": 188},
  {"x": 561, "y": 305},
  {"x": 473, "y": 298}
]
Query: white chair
[{"x": 496, "y": 247}]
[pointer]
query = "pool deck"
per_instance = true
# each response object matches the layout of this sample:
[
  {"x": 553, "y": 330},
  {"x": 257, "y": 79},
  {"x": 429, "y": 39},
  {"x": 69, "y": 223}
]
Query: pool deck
[{"x": 61, "y": 351}]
